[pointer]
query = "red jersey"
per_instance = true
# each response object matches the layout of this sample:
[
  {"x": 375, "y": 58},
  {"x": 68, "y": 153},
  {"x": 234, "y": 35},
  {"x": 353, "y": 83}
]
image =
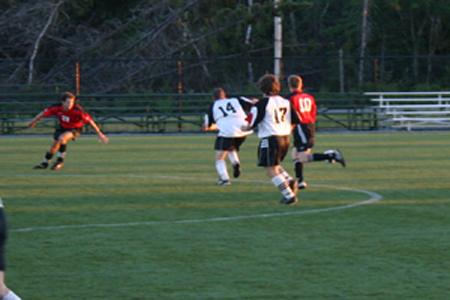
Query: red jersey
[
  {"x": 71, "y": 119},
  {"x": 305, "y": 105}
]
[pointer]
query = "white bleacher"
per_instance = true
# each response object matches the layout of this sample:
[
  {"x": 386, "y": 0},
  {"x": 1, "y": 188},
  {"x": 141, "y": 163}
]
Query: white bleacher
[{"x": 410, "y": 110}]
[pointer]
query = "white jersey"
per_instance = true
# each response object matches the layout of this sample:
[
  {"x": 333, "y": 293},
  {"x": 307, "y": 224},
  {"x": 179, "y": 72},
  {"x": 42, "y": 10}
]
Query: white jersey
[
  {"x": 274, "y": 116},
  {"x": 229, "y": 115}
]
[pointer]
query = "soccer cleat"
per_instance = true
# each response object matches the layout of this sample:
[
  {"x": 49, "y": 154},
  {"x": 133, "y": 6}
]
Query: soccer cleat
[
  {"x": 302, "y": 185},
  {"x": 43, "y": 165},
  {"x": 339, "y": 157},
  {"x": 335, "y": 156},
  {"x": 293, "y": 184},
  {"x": 58, "y": 165},
  {"x": 289, "y": 201},
  {"x": 237, "y": 170},
  {"x": 223, "y": 182}
]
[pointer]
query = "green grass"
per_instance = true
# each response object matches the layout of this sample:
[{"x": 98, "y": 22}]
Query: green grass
[{"x": 142, "y": 218}]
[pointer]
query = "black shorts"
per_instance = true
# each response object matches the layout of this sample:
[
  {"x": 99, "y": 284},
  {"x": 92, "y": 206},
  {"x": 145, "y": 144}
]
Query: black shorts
[
  {"x": 228, "y": 144},
  {"x": 3, "y": 235},
  {"x": 304, "y": 136},
  {"x": 272, "y": 150},
  {"x": 60, "y": 130}
]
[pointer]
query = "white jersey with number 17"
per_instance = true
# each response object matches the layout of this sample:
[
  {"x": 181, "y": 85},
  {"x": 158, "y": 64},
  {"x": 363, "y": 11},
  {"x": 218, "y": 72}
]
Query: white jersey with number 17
[{"x": 274, "y": 116}]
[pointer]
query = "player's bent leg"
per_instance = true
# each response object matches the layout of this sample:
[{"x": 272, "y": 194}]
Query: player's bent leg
[
  {"x": 60, "y": 160},
  {"x": 221, "y": 154},
  {"x": 236, "y": 170},
  {"x": 291, "y": 181},
  {"x": 304, "y": 157},
  {"x": 48, "y": 156},
  {"x": 280, "y": 182},
  {"x": 63, "y": 139},
  {"x": 299, "y": 159},
  {"x": 234, "y": 159},
  {"x": 54, "y": 147}
]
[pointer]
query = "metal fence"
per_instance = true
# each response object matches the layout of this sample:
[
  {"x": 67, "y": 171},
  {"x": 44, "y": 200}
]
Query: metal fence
[{"x": 166, "y": 113}]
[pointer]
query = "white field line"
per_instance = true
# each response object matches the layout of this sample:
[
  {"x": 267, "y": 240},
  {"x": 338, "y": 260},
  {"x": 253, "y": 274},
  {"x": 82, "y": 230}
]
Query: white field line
[{"x": 374, "y": 197}]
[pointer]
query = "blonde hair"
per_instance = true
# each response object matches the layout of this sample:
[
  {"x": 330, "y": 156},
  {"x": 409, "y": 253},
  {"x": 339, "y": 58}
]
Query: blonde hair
[{"x": 295, "y": 82}]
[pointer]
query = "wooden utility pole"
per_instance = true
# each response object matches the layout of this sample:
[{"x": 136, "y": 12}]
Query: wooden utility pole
[{"x": 77, "y": 79}]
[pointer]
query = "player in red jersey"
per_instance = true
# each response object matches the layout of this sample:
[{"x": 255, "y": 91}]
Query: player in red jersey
[
  {"x": 304, "y": 132},
  {"x": 72, "y": 118}
]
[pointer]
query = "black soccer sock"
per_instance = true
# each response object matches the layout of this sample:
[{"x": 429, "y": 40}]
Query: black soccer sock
[
  {"x": 62, "y": 148},
  {"x": 320, "y": 156},
  {"x": 298, "y": 170},
  {"x": 48, "y": 157},
  {"x": 61, "y": 152}
]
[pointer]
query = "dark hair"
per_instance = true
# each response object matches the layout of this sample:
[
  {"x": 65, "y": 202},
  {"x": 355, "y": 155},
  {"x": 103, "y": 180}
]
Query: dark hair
[
  {"x": 219, "y": 93},
  {"x": 269, "y": 84},
  {"x": 67, "y": 95}
]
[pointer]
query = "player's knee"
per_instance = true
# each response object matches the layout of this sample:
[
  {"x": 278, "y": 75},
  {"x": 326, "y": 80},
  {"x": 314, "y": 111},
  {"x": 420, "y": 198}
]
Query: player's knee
[
  {"x": 221, "y": 155},
  {"x": 304, "y": 156}
]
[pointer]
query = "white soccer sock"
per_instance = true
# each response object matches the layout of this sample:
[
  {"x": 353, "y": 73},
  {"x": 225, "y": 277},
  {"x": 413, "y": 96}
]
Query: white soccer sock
[
  {"x": 283, "y": 186},
  {"x": 221, "y": 167},
  {"x": 285, "y": 174},
  {"x": 11, "y": 296},
  {"x": 233, "y": 157}
]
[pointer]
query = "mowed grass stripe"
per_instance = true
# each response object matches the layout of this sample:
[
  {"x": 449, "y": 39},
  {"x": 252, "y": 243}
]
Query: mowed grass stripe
[{"x": 394, "y": 249}]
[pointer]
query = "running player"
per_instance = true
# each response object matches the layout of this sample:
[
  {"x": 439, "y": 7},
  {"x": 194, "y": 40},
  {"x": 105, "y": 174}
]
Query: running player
[
  {"x": 274, "y": 117},
  {"x": 228, "y": 116},
  {"x": 304, "y": 133},
  {"x": 72, "y": 118}
]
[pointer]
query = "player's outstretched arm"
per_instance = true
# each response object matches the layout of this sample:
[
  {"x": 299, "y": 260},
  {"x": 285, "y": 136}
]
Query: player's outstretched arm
[
  {"x": 36, "y": 119},
  {"x": 101, "y": 137}
]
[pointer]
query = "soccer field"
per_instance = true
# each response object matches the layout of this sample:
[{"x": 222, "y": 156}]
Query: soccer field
[{"x": 142, "y": 218}]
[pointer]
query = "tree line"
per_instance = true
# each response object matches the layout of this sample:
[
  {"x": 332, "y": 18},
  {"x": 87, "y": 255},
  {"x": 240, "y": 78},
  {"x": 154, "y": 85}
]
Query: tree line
[{"x": 171, "y": 46}]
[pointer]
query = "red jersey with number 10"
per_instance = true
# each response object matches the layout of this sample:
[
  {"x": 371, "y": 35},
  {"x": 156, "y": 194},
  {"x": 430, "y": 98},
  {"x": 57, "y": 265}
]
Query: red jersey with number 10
[
  {"x": 305, "y": 105},
  {"x": 71, "y": 119}
]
